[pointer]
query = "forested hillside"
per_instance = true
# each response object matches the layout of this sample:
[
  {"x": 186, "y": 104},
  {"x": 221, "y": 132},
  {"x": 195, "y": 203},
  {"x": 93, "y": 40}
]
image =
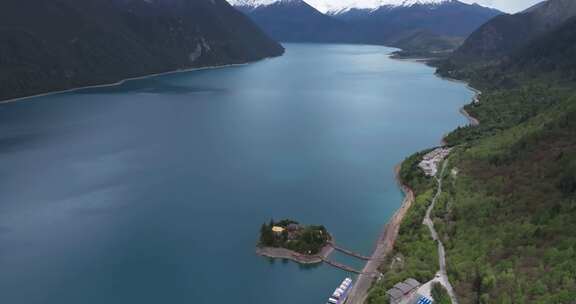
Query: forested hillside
[
  {"x": 500, "y": 37},
  {"x": 507, "y": 214},
  {"x": 508, "y": 209},
  {"x": 48, "y": 45}
]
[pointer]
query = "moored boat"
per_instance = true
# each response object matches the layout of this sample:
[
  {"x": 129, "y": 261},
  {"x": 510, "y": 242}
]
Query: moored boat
[{"x": 341, "y": 293}]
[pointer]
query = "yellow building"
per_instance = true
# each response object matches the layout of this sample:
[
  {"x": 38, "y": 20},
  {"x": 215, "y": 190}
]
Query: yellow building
[{"x": 278, "y": 229}]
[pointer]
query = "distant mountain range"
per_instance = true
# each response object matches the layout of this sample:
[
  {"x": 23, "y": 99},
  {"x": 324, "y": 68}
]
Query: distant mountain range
[
  {"x": 331, "y": 7},
  {"x": 296, "y": 21},
  {"x": 447, "y": 17},
  {"x": 432, "y": 25},
  {"x": 48, "y": 45}
]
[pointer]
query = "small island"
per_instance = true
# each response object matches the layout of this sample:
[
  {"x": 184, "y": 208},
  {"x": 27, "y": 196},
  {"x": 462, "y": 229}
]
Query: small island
[{"x": 287, "y": 239}]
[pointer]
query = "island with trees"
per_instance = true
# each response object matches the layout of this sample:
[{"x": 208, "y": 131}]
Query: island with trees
[{"x": 288, "y": 239}]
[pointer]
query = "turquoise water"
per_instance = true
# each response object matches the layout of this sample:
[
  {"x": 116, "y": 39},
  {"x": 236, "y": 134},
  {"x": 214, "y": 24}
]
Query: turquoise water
[{"x": 153, "y": 191}]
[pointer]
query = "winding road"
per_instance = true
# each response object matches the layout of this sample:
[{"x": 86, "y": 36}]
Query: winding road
[
  {"x": 385, "y": 244},
  {"x": 442, "y": 275}
]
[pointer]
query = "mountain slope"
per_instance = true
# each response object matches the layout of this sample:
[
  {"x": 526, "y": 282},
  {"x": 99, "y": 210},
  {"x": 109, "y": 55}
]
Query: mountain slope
[
  {"x": 554, "y": 52},
  {"x": 296, "y": 21},
  {"x": 506, "y": 33},
  {"x": 60, "y": 44},
  {"x": 424, "y": 44}
]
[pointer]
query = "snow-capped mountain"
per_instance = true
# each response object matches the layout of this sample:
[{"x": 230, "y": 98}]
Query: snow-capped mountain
[
  {"x": 256, "y": 3},
  {"x": 295, "y": 21},
  {"x": 335, "y": 7},
  {"x": 443, "y": 17},
  {"x": 436, "y": 25},
  {"x": 371, "y": 5}
]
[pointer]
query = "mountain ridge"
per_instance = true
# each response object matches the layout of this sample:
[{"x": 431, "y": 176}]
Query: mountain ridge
[
  {"x": 297, "y": 21},
  {"x": 330, "y": 8},
  {"x": 424, "y": 27},
  {"x": 504, "y": 34}
]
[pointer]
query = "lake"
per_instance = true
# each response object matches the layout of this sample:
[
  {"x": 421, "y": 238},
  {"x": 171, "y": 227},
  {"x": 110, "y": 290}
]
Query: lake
[{"x": 154, "y": 191}]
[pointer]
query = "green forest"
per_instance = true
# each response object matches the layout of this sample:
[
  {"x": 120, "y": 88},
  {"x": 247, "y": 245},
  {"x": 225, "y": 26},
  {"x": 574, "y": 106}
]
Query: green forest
[
  {"x": 307, "y": 240},
  {"x": 415, "y": 254},
  {"x": 507, "y": 215}
]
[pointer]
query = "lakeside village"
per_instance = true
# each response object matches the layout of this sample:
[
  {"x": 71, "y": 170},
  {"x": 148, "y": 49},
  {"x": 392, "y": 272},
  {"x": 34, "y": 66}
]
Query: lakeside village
[{"x": 431, "y": 160}]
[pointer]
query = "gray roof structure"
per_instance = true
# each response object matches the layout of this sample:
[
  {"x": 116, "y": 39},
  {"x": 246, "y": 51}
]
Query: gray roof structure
[
  {"x": 405, "y": 288},
  {"x": 412, "y": 282},
  {"x": 401, "y": 289},
  {"x": 394, "y": 294}
]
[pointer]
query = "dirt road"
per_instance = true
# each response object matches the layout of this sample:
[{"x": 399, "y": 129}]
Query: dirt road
[{"x": 442, "y": 274}]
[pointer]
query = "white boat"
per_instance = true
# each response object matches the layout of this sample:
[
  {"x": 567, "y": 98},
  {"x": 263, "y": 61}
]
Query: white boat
[{"x": 341, "y": 293}]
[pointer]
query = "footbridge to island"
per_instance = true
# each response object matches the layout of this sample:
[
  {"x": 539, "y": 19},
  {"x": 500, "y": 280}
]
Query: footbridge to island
[{"x": 347, "y": 252}]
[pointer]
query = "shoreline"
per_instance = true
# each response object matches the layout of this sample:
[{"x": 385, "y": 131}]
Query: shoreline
[
  {"x": 387, "y": 239},
  {"x": 287, "y": 254},
  {"x": 122, "y": 81},
  {"x": 384, "y": 245},
  {"x": 472, "y": 120},
  {"x": 477, "y": 92},
  {"x": 476, "y": 99}
]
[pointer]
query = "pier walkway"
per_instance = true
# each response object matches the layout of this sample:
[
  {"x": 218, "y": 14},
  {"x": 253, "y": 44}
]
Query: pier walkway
[
  {"x": 341, "y": 266},
  {"x": 349, "y": 252}
]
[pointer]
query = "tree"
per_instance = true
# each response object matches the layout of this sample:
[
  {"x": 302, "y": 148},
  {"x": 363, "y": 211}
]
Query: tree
[{"x": 266, "y": 235}]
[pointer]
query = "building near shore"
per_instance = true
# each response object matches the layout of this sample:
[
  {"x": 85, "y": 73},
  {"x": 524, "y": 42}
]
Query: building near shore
[
  {"x": 402, "y": 290},
  {"x": 431, "y": 160},
  {"x": 395, "y": 295}
]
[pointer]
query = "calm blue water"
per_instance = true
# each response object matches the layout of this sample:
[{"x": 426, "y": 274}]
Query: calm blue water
[{"x": 154, "y": 191}]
